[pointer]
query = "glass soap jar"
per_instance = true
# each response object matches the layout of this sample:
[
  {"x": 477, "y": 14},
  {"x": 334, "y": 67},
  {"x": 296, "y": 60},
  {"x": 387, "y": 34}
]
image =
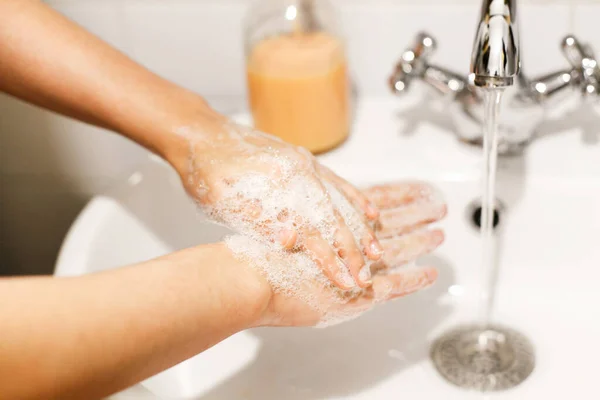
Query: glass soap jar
[{"x": 297, "y": 73}]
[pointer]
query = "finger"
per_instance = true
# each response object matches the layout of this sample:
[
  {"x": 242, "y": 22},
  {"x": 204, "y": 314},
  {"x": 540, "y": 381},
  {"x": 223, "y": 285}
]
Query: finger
[
  {"x": 402, "y": 220},
  {"x": 403, "y": 282},
  {"x": 288, "y": 237},
  {"x": 348, "y": 250},
  {"x": 409, "y": 247},
  {"x": 356, "y": 197},
  {"x": 360, "y": 226},
  {"x": 392, "y": 286},
  {"x": 378, "y": 267},
  {"x": 398, "y": 194},
  {"x": 324, "y": 256},
  {"x": 321, "y": 251},
  {"x": 370, "y": 244}
]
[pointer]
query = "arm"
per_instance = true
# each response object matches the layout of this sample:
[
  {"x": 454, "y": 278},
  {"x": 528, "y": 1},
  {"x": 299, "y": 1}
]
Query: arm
[
  {"x": 48, "y": 60},
  {"x": 90, "y": 336}
]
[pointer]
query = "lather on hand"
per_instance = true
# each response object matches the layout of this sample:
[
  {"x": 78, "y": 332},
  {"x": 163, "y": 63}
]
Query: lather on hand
[
  {"x": 305, "y": 300},
  {"x": 273, "y": 191}
]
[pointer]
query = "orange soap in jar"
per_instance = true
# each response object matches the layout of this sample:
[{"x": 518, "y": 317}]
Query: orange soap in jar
[{"x": 298, "y": 86}]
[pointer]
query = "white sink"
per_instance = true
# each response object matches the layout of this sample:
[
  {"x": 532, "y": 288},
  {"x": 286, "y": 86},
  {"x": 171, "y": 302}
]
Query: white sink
[{"x": 548, "y": 285}]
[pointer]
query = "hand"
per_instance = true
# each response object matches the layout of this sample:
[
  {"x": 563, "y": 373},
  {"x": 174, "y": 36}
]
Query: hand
[
  {"x": 275, "y": 192},
  {"x": 300, "y": 296}
]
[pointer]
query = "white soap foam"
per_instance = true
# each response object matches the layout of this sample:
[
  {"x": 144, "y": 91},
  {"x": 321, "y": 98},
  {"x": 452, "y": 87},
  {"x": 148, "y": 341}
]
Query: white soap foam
[
  {"x": 296, "y": 273},
  {"x": 286, "y": 195}
]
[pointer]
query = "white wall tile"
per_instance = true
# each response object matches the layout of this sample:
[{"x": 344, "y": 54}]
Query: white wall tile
[
  {"x": 542, "y": 28},
  {"x": 199, "y": 47},
  {"x": 587, "y": 24}
]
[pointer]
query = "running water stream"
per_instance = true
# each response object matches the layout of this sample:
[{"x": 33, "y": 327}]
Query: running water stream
[
  {"x": 489, "y": 265},
  {"x": 485, "y": 356}
]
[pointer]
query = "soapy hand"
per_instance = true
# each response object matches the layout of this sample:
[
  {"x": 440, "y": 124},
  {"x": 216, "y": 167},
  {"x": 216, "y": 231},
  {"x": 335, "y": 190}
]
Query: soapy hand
[
  {"x": 302, "y": 296},
  {"x": 275, "y": 192}
]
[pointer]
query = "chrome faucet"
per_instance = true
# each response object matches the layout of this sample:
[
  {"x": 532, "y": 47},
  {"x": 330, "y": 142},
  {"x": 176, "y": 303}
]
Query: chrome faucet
[
  {"x": 496, "y": 62},
  {"x": 495, "y": 58}
]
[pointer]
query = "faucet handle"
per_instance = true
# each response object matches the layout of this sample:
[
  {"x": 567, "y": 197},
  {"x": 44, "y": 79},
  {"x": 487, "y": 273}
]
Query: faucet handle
[
  {"x": 573, "y": 51},
  {"x": 425, "y": 45},
  {"x": 582, "y": 59},
  {"x": 413, "y": 63}
]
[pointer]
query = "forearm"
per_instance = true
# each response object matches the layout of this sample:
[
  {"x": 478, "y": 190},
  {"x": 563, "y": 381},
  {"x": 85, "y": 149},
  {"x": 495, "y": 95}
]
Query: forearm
[
  {"x": 48, "y": 60},
  {"x": 90, "y": 336}
]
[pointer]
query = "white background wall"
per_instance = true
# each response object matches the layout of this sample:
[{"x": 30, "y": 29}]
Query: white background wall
[{"x": 50, "y": 166}]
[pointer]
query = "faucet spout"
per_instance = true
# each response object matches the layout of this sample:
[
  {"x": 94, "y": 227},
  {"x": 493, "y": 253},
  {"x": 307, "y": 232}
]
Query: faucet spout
[{"x": 495, "y": 60}]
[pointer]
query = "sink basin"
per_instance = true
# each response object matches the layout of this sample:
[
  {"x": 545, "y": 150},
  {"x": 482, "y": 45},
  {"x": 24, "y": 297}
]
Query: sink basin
[{"x": 547, "y": 287}]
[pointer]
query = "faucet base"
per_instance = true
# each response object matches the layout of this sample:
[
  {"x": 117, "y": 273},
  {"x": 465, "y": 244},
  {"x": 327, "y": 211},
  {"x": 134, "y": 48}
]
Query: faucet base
[
  {"x": 505, "y": 148},
  {"x": 491, "y": 358},
  {"x": 493, "y": 82}
]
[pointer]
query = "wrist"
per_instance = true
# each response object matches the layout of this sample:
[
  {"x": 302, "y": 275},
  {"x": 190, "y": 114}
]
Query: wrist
[
  {"x": 248, "y": 292},
  {"x": 189, "y": 127},
  {"x": 166, "y": 119}
]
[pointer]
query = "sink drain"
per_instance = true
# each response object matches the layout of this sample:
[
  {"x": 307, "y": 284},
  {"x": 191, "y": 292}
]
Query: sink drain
[
  {"x": 486, "y": 359},
  {"x": 474, "y": 213}
]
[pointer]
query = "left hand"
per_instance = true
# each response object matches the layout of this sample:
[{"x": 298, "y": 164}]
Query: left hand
[{"x": 407, "y": 211}]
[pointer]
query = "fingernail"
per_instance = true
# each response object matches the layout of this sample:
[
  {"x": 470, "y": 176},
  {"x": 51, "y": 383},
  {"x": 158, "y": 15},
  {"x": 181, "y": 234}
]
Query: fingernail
[
  {"x": 372, "y": 210},
  {"x": 439, "y": 238},
  {"x": 287, "y": 238},
  {"x": 443, "y": 211},
  {"x": 376, "y": 248},
  {"x": 432, "y": 275},
  {"x": 345, "y": 278},
  {"x": 365, "y": 274}
]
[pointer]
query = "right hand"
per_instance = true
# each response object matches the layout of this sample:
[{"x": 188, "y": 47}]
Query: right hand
[{"x": 275, "y": 192}]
